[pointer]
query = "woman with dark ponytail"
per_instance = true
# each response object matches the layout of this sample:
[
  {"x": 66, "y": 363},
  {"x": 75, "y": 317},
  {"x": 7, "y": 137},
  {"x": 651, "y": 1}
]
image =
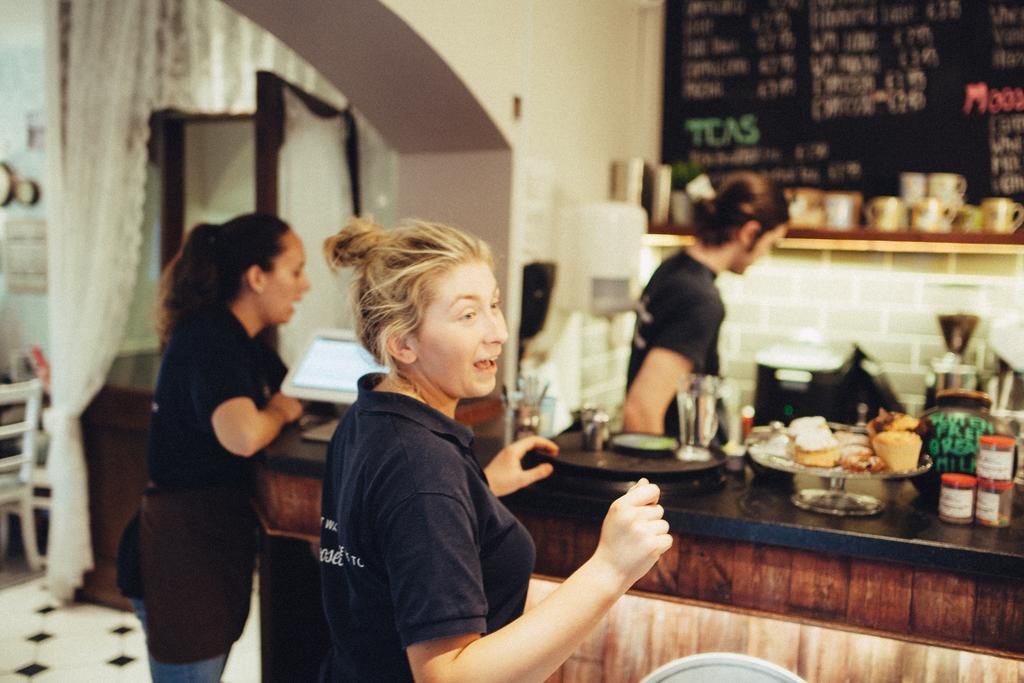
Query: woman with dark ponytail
[
  {"x": 217, "y": 404},
  {"x": 680, "y": 311}
]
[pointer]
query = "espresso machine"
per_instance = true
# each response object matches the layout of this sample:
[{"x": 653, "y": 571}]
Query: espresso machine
[{"x": 949, "y": 371}]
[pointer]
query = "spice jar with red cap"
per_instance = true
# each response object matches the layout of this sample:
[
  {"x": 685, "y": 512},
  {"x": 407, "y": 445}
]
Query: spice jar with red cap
[
  {"x": 995, "y": 502},
  {"x": 995, "y": 457},
  {"x": 956, "y": 498}
]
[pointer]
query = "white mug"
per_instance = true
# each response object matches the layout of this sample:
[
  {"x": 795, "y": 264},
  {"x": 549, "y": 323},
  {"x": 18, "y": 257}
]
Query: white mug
[
  {"x": 949, "y": 187},
  {"x": 913, "y": 187},
  {"x": 842, "y": 209},
  {"x": 932, "y": 215}
]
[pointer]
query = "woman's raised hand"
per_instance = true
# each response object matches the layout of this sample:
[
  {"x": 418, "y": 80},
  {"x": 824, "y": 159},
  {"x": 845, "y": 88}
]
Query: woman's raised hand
[
  {"x": 634, "y": 534},
  {"x": 505, "y": 473}
]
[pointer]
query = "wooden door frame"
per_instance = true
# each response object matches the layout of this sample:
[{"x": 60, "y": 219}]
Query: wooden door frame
[{"x": 167, "y": 150}]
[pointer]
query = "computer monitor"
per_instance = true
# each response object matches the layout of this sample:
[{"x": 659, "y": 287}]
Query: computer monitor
[{"x": 329, "y": 368}]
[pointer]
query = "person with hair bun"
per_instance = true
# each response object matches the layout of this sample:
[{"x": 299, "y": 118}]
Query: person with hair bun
[
  {"x": 680, "y": 311},
  {"x": 424, "y": 571},
  {"x": 186, "y": 559}
]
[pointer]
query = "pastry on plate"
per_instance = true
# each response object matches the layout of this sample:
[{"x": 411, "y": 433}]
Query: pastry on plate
[
  {"x": 804, "y": 424},
  {"x": 816, "y": 448},
  {"x": 852, "y": 439},
  {"x": 900, "y": 450},
  {"x": 859, "y": 458}
]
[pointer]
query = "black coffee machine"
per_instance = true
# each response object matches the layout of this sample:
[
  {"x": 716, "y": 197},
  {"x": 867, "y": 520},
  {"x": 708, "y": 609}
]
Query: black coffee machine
[{"x": 798, "y": 381}]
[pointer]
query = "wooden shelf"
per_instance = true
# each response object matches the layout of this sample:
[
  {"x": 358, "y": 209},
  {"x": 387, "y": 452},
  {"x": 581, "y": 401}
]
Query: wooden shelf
[{"x": 862, "y": 239}]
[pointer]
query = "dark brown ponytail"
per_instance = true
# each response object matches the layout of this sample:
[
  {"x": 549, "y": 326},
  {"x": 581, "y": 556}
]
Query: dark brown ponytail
[
  {"x": 742, "y": 197},
  {"x": 207, "y": 271}
]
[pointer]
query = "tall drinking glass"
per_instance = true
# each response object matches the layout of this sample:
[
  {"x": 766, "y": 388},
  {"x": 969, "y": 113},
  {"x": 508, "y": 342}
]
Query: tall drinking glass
[{"x": 696, "y": 399}]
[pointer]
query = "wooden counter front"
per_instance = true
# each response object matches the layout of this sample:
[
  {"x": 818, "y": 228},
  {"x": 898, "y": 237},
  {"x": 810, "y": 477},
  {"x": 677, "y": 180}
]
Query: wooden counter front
[
  {"x": 723, "y": 587},
  {"x": 978, "y": 613}
]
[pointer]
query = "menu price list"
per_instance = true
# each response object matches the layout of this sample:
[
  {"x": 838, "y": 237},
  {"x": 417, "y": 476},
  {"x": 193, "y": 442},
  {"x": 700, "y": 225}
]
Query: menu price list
[{"x": 846, "y": 94}]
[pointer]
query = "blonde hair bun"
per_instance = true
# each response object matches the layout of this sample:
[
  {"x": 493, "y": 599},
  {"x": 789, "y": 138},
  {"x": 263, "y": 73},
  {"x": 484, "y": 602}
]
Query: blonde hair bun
[{"x": 353, "y": 243}]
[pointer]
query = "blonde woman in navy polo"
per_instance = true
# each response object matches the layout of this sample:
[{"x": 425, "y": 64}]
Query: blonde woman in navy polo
[{"x": 424, "y": 571}]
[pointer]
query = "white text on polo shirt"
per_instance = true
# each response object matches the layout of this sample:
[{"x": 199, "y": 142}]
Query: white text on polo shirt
[{"x": 340, "y": 557}]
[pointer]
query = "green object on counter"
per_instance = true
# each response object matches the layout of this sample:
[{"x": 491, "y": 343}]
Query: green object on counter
[
  {"x": 950, "y": 432},
  {"x": 635, "y": 441}
]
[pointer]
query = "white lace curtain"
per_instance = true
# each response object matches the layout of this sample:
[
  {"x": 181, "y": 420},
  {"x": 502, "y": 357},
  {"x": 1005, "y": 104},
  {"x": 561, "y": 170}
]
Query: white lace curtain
[{"x": 120, "y": 60}]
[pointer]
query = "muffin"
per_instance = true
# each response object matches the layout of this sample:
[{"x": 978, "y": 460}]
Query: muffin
[
  {"x": 891, "y": 422},
  {"x": 816, "y": 448},
  {"x": 899, "y": 450}
]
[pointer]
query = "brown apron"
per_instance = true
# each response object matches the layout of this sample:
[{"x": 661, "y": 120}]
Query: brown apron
[{"x": 197, "y": 551}]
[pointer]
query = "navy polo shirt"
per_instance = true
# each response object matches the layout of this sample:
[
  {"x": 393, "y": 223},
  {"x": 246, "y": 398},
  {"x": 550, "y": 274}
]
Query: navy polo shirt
[
  {"x": 414, "y": 546},
  {"x": 209, "y": 359},
  {"x": 682, "y": 311}
]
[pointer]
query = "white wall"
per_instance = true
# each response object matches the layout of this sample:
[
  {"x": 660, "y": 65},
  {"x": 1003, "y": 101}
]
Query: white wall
[
  {"x": 482, "y": 41},
  {"x": 589, "y": 78},
  {"x": 220, "y": 163},
  {"x": 588, "y": 73}
]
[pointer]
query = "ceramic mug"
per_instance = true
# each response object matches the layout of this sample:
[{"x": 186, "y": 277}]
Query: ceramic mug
[
  {"x": 969, "y": 218},
  {"x": 806, "y": 207},
  {"x": 948, "y": 187},
  {"x": 1000, "y": 214},
  {"x": 842, "y": 209},
  {"x": 913, "y": 187},
  {"x": 887, "y": 214},
  {"x": 932, "y": 215}
]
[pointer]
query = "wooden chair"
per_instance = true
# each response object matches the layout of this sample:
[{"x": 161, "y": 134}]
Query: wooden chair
[{"x": 18, "y": 448}]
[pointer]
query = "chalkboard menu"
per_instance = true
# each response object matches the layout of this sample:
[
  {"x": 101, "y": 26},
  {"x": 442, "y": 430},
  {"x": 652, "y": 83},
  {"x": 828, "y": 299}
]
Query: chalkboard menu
[{"x": 847, "y": 94}]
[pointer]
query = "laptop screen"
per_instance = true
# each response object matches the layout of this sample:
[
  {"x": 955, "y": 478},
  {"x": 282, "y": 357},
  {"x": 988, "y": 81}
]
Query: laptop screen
[{"x": 329, "y": 368}]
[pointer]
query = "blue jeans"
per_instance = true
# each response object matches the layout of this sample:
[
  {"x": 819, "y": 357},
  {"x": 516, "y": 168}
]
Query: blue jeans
[{"x": 203, "y": 671}]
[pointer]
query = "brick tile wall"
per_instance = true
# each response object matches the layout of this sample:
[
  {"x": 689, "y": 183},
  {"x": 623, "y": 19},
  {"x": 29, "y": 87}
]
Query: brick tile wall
[{"x": 887, "y": 303}]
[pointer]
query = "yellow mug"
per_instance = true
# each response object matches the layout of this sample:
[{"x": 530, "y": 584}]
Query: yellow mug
[
  {"x": 969, "y": 218},
  {"x": 1000, "y": 214},
  {"x": 806, "y": 207},
  {"x": 887, "y": 214},
  {"x": 932, "y": 215}
]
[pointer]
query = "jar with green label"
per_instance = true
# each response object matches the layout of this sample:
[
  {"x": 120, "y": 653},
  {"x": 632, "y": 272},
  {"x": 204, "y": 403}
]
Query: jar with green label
[{"x": 950, "y": 432}]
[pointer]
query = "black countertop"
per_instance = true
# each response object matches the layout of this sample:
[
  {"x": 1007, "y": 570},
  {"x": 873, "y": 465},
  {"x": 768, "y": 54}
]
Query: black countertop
[{"x": 757, "y": 509}]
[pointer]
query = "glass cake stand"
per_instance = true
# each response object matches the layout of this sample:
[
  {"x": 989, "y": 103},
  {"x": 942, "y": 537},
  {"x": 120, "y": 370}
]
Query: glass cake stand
[{"x": 774, "y": 454}]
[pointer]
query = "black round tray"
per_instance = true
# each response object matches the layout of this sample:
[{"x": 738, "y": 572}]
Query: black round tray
[{"x": 610, "y": 464}]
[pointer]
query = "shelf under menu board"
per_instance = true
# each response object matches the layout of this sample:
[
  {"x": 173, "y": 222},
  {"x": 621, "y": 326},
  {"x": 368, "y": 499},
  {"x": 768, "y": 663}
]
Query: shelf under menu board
[
  {"x": 862, "y": 239},
  {"x": 847, "y": 95}
]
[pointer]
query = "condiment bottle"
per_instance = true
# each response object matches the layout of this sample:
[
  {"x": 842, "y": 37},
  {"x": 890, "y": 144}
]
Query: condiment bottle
[
  {"x": 956, "y": 499},
  {"x": 995, "y": 502},
  {"x": 995, "y": 457}
]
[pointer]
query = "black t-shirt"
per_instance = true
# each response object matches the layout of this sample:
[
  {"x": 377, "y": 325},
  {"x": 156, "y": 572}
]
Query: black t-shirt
[
  {"x": 682, "y": 311},
  {"x": 414, "y": 546},
  {"x": 209, "y": 359}
]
